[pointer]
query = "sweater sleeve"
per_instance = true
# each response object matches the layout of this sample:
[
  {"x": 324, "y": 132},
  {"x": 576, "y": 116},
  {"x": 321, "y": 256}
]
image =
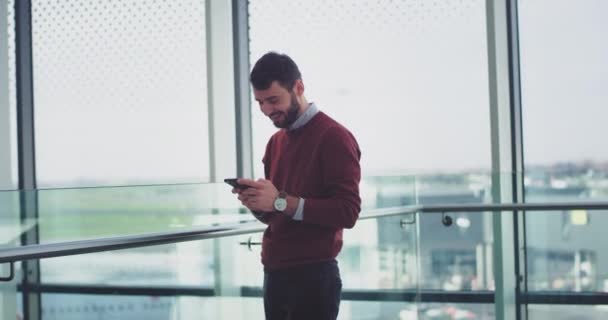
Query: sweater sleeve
[
  {"x": 265, "y": 217},
  {"x": 341, "y": 173},
  {"x": 266, "y": 158}
]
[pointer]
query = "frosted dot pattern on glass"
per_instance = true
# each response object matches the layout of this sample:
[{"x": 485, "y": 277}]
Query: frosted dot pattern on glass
[
  {"x": 11, "y": 52},
  {"x": 12, "y": 87},
  {"x": 409, "y": 78},
  {"x": 337, "y": 21},
  {"x": 120, "y": 91}
]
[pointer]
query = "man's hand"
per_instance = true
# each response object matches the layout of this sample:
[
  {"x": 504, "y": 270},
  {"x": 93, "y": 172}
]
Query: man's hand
[{"x": 259, "y": 197}]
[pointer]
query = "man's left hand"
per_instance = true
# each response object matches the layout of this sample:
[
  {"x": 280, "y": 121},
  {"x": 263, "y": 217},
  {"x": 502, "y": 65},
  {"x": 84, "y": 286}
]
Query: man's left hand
[{"x": 260, "y": 196}]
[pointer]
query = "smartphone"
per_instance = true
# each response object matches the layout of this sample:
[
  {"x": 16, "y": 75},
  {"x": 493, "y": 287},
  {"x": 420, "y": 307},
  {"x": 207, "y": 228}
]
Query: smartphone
[{"x": 233, "y": 182}]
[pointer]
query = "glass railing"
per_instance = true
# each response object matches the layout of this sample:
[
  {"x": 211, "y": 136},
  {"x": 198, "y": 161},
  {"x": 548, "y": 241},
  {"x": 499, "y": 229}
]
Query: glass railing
[
  {"x": 92, "y": 213},
  {"x": 401, "y": 261}
]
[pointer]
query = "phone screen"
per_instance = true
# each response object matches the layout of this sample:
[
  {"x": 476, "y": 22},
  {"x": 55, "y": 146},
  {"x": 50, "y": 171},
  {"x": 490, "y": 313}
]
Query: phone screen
[{"x": 233, "y": 182}]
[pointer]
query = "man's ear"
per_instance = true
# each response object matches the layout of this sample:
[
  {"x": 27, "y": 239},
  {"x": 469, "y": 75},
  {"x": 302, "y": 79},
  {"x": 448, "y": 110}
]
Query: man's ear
[{"x": 299, "y": 87}]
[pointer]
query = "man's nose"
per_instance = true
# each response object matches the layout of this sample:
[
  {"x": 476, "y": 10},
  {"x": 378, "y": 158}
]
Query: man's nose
[{"x": 266, "y": 109}]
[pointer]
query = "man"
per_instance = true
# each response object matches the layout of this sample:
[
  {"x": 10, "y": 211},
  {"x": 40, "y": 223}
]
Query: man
[{"x": 311, "y": 194}]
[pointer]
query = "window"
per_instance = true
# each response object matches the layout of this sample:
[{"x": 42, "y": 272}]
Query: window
[
  {"x": 120, "y": 92},
  {"x": 564, "y": 70},
  {"x": 120, "y": 95},
  {"x": 409, "y": 79}
]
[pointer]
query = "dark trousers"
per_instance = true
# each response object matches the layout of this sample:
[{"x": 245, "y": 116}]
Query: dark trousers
[{"x": 303, "y": 292}]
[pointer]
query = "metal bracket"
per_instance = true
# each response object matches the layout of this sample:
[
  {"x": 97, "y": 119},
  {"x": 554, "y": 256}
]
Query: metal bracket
[
  {"x": 250, "y": 243},
  {"x": 405, "y": 222},
  {"x": 11, "y": 274},
  {"x": 446, "y": 219}
]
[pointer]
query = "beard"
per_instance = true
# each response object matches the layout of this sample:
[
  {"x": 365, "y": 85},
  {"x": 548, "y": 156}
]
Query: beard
[{"x": 290, "y": 116}]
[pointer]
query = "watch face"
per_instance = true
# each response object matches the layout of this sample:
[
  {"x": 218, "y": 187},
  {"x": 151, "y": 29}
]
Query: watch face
[{"x": 280, "y": 204}]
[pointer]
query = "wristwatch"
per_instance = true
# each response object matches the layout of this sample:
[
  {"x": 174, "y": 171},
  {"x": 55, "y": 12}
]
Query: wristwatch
[{"x": 280, "y": 203}]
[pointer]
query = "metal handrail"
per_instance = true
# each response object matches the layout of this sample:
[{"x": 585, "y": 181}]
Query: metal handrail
[{"x": 59, "y": 249}]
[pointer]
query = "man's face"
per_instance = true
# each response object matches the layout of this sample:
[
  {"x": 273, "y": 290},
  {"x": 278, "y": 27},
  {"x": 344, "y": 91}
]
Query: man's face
[{"x": 279, "y": 104}]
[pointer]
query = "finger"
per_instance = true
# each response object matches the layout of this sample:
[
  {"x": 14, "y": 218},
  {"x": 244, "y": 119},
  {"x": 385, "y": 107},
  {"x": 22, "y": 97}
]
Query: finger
[
  {"x": 251, "y": 183},
  {"x": 250, "y": 192}
]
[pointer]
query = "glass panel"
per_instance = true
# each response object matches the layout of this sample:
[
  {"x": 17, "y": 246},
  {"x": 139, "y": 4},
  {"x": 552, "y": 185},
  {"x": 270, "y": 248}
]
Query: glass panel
[
  {"x": 564, "y": 101},
  {"x": 378, "y": 254},
  {"x": 185, "y": 264},
  {"x": 8, "y": 116},
  {"x": 453, "y": 257},
  {"x": 377, "y": 67},
  {"x": 12, "y": 91},
  {"x": 19, "y": 306},
  {"x": 92, "y": 213},
  {"x": 458, "y": 255},
  {"x": 11, "y": 227},
  {"x": 563, "y": 251},
  {"x": 399, "y": 53},
  {"x": 120, "y": 90},
  {"x": 564, "y": 69},
  {"x": 69, "y": 214},
  {"x": 376, "y": 310},
  {"x": 559, "y": 312},
  {"x": 76, "y": 214},
  {"x": 95, "y": 213},
  {"x": 67, "y": 307},
  {"x": 383, "y": 252},
  {"x": 84, "y": 307}
]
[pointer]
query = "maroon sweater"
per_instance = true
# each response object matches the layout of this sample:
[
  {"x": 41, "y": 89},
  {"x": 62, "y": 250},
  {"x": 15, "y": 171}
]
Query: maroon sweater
[{"x": 320, "y": 163}]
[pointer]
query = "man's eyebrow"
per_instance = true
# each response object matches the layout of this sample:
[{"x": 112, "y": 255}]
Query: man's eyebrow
[{"x": 269, "y": 98}]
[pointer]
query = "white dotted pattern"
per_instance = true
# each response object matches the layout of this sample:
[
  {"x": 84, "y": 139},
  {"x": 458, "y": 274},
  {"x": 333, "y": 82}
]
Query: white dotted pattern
[
  {"x": 120, "y": 90},
  {"x": 12, "y": 89},
  {"x": 11, "y": 54},
  {"x": 344, "y": 19},
  {"x": 119, "y": 48}
]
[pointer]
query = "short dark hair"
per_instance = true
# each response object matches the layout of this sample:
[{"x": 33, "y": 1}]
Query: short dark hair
[{"x": 274, "y": 66}]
